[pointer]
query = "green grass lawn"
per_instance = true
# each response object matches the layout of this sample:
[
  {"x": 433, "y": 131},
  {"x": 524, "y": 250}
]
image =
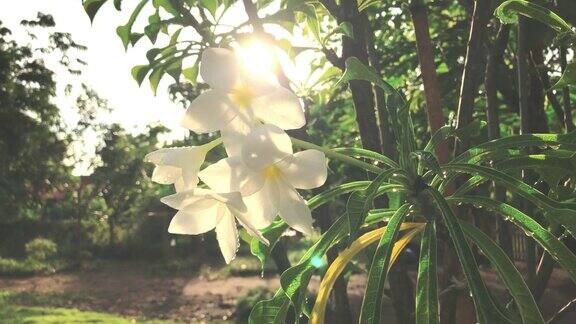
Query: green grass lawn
[
  {"x": 23, "y": 314},
  {"x": 10, "y": 312}
]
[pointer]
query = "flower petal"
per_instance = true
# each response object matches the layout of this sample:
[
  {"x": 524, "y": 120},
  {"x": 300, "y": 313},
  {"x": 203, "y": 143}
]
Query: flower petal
[
  {"x": 265, "y": 145},
  {"x": 209, "y": 112},
  {"x": 234, "y": 134},
  {"x": 227, "y": 235},
  {"x": 177, "y": 165},
  {"x": 280, "y": 107},
  {"x": 231, "y": 174},
  {"x": 245, "y": 221},
  {"x": 306, "y": 170},
  {"x": 198, "y": 218},
  {"x": 166, "y": 174},
  {"x": 294, "y": 210},
  {"x": 262, "y": 205},
  {"x": 186, "y": 198},
  {"x": 219, "y": 68}
]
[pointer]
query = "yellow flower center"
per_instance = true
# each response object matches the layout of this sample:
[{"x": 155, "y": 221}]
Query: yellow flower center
[
  {"x": 271, "y": 172},
  {"x": 242, "y": 96}
]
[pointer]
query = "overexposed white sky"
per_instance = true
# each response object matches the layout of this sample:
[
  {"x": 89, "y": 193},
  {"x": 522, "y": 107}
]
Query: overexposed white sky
[
  {"x": 108, "y": 69},
  {"x": 109, "y": 65}
]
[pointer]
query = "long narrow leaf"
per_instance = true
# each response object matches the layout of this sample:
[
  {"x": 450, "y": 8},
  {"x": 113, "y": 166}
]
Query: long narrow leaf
[
  {"x": 339, "y": 264},
  {"x": 427, "y": 286},
  {"x": 370, "y": 312},
  {"x": 272, "y": 311},
  {"x": 367, "y": 154},
  {"x": 360, "y": 202},
  {"x": 563, "y": 213},
  {"x": 557, "y": 250},
  {"x": 508, "y": 273},
  {"x": 515, "y": 142},
  {"x": 486, "y": 310}
]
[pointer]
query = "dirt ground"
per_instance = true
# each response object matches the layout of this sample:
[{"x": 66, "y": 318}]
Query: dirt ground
[{"x": 130, "y": 290}]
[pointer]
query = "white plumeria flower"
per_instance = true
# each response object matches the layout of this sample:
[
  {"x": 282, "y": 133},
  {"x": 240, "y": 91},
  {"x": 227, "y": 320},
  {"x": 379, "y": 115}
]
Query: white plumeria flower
[
  {"x": 267, "y": 174},
  {"x": 179, "y": 165},
  {"x": 201, "y": 210},
  {"x": 238, "y": 100}
]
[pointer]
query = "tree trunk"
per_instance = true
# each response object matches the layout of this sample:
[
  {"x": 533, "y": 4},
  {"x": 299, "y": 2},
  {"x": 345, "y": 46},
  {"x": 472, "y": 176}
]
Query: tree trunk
[
  {"x": 362, "y": 94},
  {"x": 425, "y": 49}
]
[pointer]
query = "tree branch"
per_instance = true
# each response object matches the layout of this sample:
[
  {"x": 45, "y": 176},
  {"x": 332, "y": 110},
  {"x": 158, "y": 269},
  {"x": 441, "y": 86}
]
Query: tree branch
[
  {"x": 472, "y": 68},
  {"x": 429, "y": 77}
]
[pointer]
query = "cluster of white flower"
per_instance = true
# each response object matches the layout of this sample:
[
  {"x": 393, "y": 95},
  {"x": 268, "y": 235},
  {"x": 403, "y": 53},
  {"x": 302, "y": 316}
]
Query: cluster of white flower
[{"x": 259, "y": 178}]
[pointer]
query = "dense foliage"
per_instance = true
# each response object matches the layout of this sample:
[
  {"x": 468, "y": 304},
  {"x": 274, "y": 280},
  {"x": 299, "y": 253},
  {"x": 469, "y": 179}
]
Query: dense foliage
[
  {"x": 447, "y": 124},
  {"x": 531, "y": 174}
]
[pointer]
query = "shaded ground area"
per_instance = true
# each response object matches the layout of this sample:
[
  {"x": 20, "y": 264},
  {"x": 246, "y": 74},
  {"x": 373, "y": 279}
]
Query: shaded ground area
[{"x": 130, "y": 290}]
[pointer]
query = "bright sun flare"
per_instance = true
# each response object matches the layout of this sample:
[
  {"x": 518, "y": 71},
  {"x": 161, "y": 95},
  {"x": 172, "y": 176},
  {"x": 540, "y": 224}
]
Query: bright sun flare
[{"x": 257, "y": 57}]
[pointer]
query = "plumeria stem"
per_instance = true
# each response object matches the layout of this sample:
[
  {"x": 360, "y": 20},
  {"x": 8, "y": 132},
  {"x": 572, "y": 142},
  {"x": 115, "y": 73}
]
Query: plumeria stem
[
  {"x": 337, "y": 156},
  {"x": 212, "y": 144}
]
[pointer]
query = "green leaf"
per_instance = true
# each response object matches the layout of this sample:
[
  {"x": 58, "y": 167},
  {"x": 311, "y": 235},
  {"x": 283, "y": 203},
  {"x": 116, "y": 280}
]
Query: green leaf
[
  {"x": 367, "y": 154},
  {"x": 191, "y": 73},
  {"x": 272, "y": 233},
  {"x": 447, "y": 131},
  {"x": 118, "y": 4},
  {"x": 92, "y": 6},
  {"x": 346, "y": 29},
  {"x": 210, "y": 5},
  {"x": 508, "y": 273},
  {"x": 261, "y": 251},
  {"x": 152, "y": 53},
  {"x": 428, "y": 160},
  {"x": 509, "y": 10},
  {"x": 125, "y": 31},
  {"x": 364, "y": 4},
  {"x": 562, "y": 213},
  {"x": 370, "y": 312},
  {"x": 174, "y": 37},
  {"x": 486, "y": 310},
  {"x": 518, "y": 141},
  {"x": 166, "y": 5},
  {"x": 155, "y": 78},
  {"x": 272, "y": 311},
  {"x": 427, "y": 306},
  {"x": 312, "y": 22},
  {"x": 557, "y": 250},
  {"x": 139, "y": 72},
  {"x": 153, "y": 27},
  {"x": 135, "y": 37},
  {"x": 554, "y": 168},
  {"x": 568, "y": 77},
  {"x": 360, "y": 202},
  {"x": 174, "y": 68},
  {"x": 356, "y": 70},
  {"x": 294, "y": 281}
]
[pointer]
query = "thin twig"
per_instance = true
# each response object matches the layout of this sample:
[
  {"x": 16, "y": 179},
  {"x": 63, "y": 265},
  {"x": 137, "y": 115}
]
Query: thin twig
[{"x": 562, "y": 312}]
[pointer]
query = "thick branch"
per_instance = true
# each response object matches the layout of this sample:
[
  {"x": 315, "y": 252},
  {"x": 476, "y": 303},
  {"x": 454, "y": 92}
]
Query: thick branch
[
  {"x": 362, "y": 94},
  {"x": 428, "y": 67},
  {"x": 495, "y": 59},
  {"x": 190, "y": 20}
]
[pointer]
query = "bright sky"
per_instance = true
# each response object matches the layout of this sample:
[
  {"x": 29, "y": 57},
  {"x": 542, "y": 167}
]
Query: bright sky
[{"x": 108, "y": 69}]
